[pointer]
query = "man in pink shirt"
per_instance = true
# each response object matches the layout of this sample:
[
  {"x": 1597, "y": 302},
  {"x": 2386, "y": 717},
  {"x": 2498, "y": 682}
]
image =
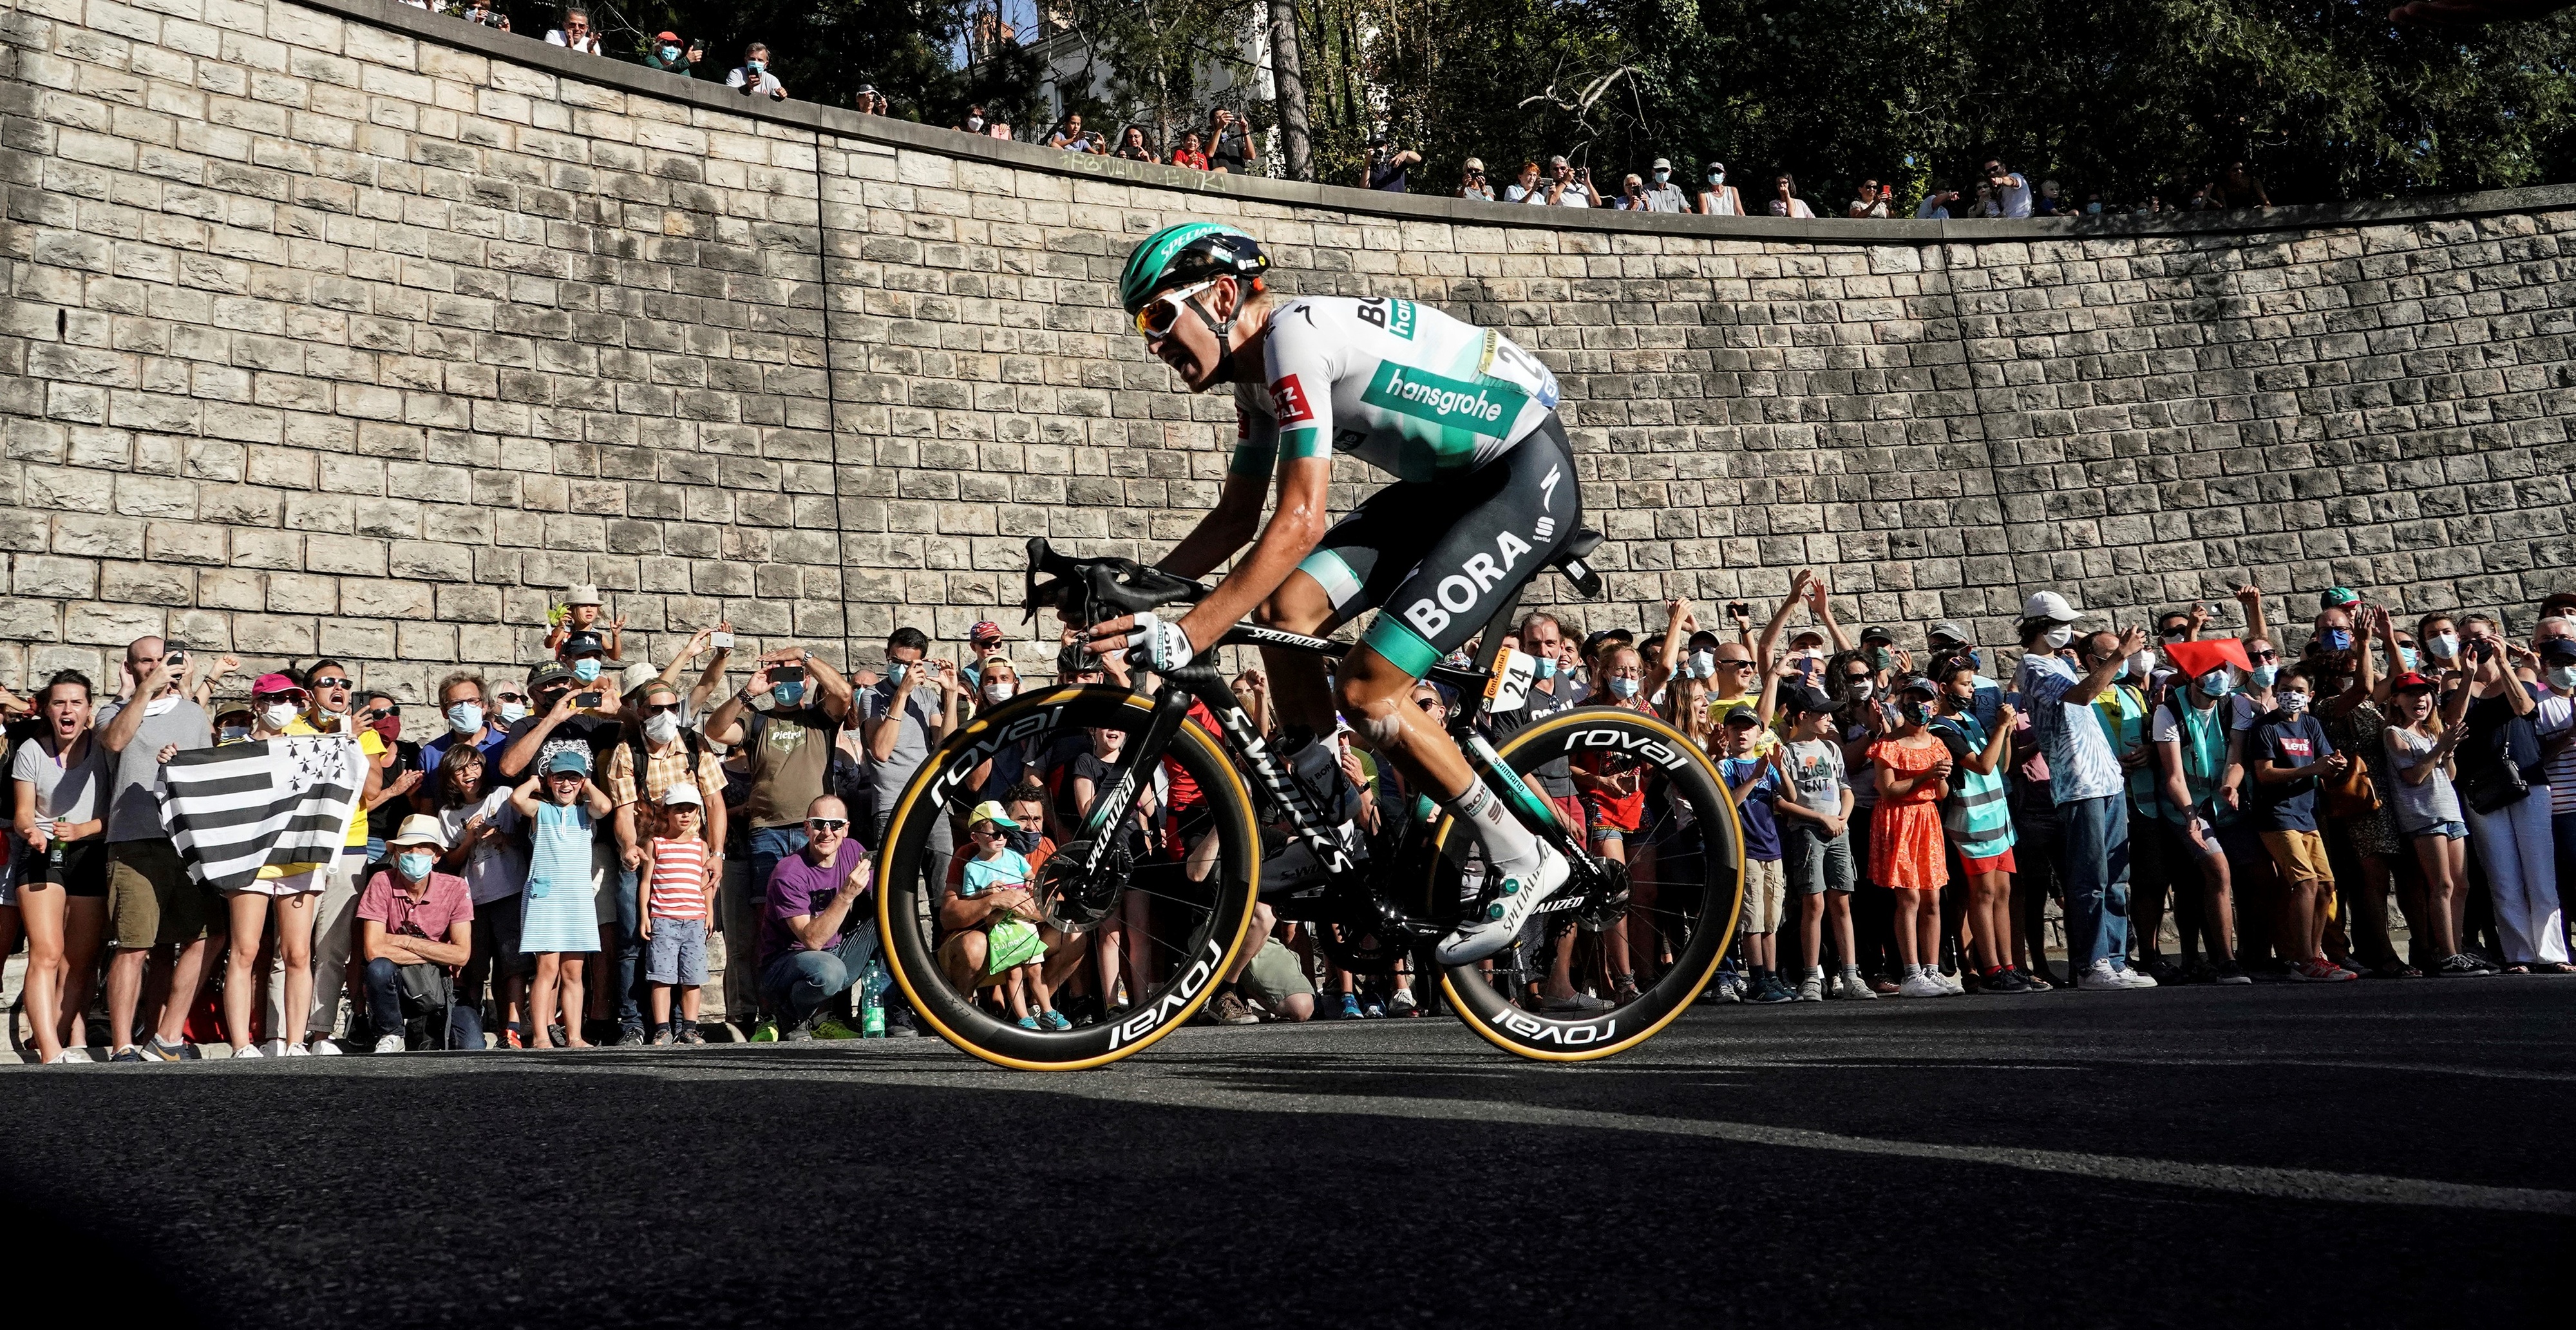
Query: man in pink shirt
[{"x": 416, "y": 926}]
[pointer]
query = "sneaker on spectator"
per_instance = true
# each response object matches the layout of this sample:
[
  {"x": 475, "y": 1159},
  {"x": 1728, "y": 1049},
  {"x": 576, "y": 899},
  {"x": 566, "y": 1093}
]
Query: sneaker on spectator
[
  {"x": 1401, "y": 1004},
  {"x": 2042, "y": 982},
  {"x": 2460, "y": 966},
  {"x": 1812, "y": 988},
  {"x": 2229, "y": 973},
  {"x": 2163, "y": 971},
  {"x": 1350, "y": 1009},
  {"x": 129, "y": 1053},
  {"x": 764, "y": 1033},
  {"x": 322, "y": 1046},
  {"x": 153, "y": 1050},
  {"x": 2006, "y": 980},
  {"x": 1923, "y": 984},
  {"x": 248, "y": 1051},
  {"x": 2322, "y": 971},
  {"x": 2271, "y": 971},
  {"x": 1949, "y": 981},
  {"x": 1229, "y": 1009},
  {"x": 1849, "y": 984},
  {"x": 900, "y": 1024},
  {"x": 300, "y": 1051},
  {"x": 2136, "y": 978},
  {"x": 1577, "y": 1003},
  {"x": 689, "y": 1033},
  {"x": 275, "y": 1048},
  {"x": 2099, "y": 977},
  {"x": 662, "y": 1036},
  {"x": 830, "y": 1028},
  {"x": 1028, "y": 1022},
  {"x": 1730, "y": 986},
  {"x": 390, "y": 1043},
  {"x": 1054, "y": 1020}
]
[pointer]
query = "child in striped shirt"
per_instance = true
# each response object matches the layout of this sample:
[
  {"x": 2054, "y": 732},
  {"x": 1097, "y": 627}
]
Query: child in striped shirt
[{"x": 679, "y": 898}]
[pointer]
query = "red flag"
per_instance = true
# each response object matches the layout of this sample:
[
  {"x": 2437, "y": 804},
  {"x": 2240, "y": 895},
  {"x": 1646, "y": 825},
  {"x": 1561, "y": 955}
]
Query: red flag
[{"x": 2198, "y": 658}]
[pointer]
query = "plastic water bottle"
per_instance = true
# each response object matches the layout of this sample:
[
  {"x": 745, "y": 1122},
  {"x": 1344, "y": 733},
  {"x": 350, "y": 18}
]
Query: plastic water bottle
[{"x": 872, "y": 987}]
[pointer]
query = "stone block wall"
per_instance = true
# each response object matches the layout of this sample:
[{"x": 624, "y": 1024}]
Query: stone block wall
[{"x": 342, "y": 328}]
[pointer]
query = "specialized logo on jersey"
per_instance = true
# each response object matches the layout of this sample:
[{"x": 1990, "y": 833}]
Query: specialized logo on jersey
[
  {"x": 1487, "y": 408},
  {"x": 1290, "y": 397}
]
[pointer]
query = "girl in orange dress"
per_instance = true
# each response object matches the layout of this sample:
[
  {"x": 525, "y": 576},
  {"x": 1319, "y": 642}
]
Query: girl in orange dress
[{"x": 1905, "y": 837}]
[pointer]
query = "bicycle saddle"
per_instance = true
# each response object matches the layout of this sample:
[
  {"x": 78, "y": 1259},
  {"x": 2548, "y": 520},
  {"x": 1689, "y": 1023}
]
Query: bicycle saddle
[{"x": 1096, "y": 589}]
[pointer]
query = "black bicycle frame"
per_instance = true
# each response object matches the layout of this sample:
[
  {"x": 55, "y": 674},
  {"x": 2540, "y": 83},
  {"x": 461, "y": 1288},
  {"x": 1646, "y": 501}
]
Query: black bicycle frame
[{"x": 1307, "y": 824}]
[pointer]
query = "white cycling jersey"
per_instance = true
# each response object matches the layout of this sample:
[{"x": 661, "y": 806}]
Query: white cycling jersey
[{"x": 1400, "y": 386}]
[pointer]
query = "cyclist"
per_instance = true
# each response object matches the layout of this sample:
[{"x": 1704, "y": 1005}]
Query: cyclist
[{"x": 1485, "y": 495}]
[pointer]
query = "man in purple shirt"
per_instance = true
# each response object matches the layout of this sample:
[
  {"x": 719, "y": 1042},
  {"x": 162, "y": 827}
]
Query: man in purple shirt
[{"x": 807, "y": 957}]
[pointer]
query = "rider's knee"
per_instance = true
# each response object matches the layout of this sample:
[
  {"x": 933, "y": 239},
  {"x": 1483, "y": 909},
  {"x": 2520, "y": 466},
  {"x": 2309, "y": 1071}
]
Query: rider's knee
[{"x": 1373, "y": 719}]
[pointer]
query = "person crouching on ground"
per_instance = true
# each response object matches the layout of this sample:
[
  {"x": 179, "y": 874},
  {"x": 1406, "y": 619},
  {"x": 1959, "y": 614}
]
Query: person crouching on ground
[
  {"x": 1014, "y": 952},
  {"x": 679, "y": 896},
  {"x": 416, "y": 928}
]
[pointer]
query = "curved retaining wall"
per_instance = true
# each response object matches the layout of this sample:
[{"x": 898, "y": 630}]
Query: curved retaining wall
[{"x": 341, "y": 327}]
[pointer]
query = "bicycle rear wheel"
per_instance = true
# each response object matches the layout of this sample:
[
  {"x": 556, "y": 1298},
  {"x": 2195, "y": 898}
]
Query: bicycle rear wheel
[
  {"x": 1685, "y": 880},
  {"x": 1177, "y": 923}
]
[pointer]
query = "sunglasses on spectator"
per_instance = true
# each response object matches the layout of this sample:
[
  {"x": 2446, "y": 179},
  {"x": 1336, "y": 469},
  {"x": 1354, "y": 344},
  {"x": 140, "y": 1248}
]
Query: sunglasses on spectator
[
  {"x": 2265, "y": 655},
  {"x": 1735, "y": 664},
  {"x": 509, "y": 697},
  {"x": 819, "y": 825},
  {"x": 665, "y": 709},
  {"x": 298, "y": 697},
  {"x": 330, "y": 683},
  {"x": 379, "y": 713},
  {"x": 1156, "y": 319},
  {"x": 2177, "y": 632}
]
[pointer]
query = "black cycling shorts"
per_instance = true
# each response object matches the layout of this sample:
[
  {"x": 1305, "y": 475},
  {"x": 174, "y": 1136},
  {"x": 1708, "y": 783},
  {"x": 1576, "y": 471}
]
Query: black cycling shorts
[{"x": 1438, "y": 557}]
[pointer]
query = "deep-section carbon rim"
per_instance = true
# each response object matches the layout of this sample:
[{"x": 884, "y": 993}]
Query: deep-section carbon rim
[
  {"x": 1693, "y": 890},
  {"x": 1206, "y": 922}
]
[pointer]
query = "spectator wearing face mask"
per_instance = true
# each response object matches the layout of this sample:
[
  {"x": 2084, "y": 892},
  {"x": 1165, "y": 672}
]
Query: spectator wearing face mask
[
  {"x": 2286, "y": 754},
  {"x": 2197, "y": 807},
  {"x": 575, "y": 34},
  {"x": 467, "y": 716},
  {"x": 416, "y": 929},
  {"x": 1720, "y": 199},
  {"x": 2086, "y": 782},
  {"x": 673, "y": 56},
  {"x": 783, "y": 722},
  {"x": 642, "y": 769},
  {"x": 2504, "y": 784},
  {"x": 1936, "y": 203},
  {"x": 753, "y": 76},
  {"x": 1662, "y": 195}
]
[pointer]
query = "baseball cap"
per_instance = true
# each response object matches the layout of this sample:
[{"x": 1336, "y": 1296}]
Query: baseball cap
[
  {"x": 2336, "y": 597},
  {"x": 1874, "y": 633},
  {"x": 1741, "y": 714},
  {"x": 1946, "y": 631},
  {"x": 666, "y": 36},
  {"x": 683, "y": 794},
  {"x": 1662, "y": 164},
  {"x": 2050, "y": 606},
  {"x": 1593, "y": 643},
  {"x": 985, "y": 630},
  {"x": 1806, "y": 635},
  {"x": 1797, "y": 699},
  {"x": 2560, "y": 649},
  {"x": 1916, "y": 683},
  {"x": 2409, "y": 681},
  {"x": 569, "y": 759},
  {"x": 273, "y": 684},
  {"x": 636, "y": 676},
  {"x": 991, "y": 811},
  {"x": 582, "y": 644},
  {"x": 547, "y": 674},
  {"x": 581, "y": 595}
]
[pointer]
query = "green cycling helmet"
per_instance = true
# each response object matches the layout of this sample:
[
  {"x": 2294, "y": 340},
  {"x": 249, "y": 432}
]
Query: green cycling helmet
[{"x": 1185, "y": 254}]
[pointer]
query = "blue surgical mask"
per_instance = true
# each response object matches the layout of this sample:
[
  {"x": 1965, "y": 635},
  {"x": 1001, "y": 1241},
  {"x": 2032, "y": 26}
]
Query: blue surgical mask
[
  {"x": 1662, "y": 176},
  {"x": 670, "y": 54},
  {"x": 414, "y": 864},
  {"x": 895, "y": 670},
  {"x": 513, "y": 712},
  {"x": 2338, "y": 639},
  {"x": 465, "y": 717},
  {"x": 1546, "y": 667},
  {"x": 2406, "y": 656},
  {"x": 586, "y": 669},
  {"x": 2562, "y": 678},
  {"x": 2214, "y": 682},
  {"x": 789, "y": 694},
  {"x": 2262, "y": 675},
  {"x": 1623, "y": 688}
]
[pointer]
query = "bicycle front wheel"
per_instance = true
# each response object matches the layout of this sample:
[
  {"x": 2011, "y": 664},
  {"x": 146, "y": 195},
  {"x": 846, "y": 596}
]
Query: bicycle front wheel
[
  {"x": 1555, "y": 995},
  {"x": 1135, "y": 945}
]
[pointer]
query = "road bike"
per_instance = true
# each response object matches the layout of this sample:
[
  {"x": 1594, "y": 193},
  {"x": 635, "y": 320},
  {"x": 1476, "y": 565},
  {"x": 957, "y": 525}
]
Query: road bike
[{"x": 1193, "y": 819}]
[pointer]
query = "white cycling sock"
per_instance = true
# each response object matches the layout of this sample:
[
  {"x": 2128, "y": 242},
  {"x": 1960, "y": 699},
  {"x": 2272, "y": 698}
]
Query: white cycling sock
[{"x": 1509, "y": 847}]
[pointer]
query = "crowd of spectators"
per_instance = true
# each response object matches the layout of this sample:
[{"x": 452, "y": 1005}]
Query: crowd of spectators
[{"x": 557, "y": 857}]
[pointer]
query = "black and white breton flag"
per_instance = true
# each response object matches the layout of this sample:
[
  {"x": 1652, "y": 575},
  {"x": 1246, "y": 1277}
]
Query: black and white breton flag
[{"x": 234, "y": 809}]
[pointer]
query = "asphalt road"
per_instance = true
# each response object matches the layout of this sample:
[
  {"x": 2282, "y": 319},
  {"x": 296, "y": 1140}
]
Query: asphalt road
[{"x": 2375, "y": 1153}]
